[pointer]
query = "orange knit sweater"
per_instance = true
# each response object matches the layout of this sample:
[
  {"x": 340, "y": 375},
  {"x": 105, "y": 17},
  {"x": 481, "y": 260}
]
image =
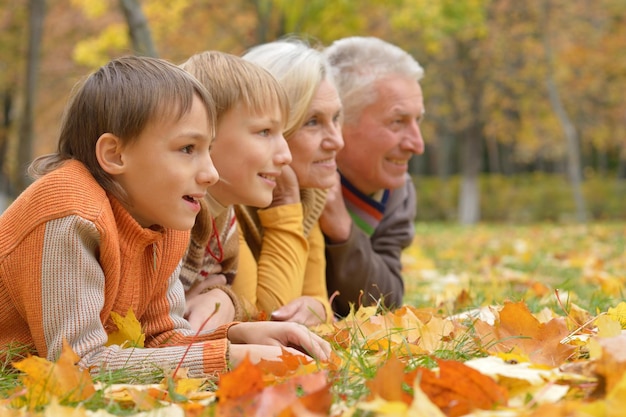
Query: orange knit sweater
[{"x": 70, "y": 254}]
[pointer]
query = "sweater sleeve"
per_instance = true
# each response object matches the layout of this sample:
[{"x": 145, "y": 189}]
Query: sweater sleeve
[
  {"x": 73, "y": 292},
  {"x": 372, "y": 264},
  {"x": 314, "y": 284},
  {"x": 278, "y": 276}
]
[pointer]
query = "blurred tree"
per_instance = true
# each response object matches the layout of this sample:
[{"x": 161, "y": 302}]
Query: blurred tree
[
  {"x": 37, "y": 12},
  {"x": 574, "y": 170},
  {"x": 451, "y": 34},
  {"x": 488, "y": 105},
  {"x": 12, "y": 59},
  {"x": 138, "y": 28}
]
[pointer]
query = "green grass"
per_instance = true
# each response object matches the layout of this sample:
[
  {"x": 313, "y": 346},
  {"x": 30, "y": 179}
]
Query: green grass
[
  {"x": 585, "y": 264},
  {"x": 454, "y": 269}
]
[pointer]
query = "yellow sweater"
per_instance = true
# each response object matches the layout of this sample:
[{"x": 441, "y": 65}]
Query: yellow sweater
[
  {"x": 289, "y": 264},
  {"x": 70, "y": 254}
]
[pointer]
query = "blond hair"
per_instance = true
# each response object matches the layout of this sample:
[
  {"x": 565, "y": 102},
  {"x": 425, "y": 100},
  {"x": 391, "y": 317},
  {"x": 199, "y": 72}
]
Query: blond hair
[
  {"x": 299, "y": 68},
  {"x": 232, "y": 80}
]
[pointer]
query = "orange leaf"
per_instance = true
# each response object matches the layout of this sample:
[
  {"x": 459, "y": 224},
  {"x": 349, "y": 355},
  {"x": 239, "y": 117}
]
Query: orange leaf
[
  {"x": 459, "y": 389},
  {"x": 245, "y": 379},
  {"x": 62, "y": 379},
  {"x": 612, "y": 364},
  {"x": 277, "y": 399},
  {"x": 288, "y": 362},
  {"x": 519, "y": 331},
  {"x": 387, "y": 384},
  {"x": 317, "y": 403},
  {"x": 145, "y": 400}
]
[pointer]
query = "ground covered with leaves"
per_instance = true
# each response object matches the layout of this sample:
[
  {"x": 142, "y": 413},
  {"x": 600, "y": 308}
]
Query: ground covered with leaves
[{"x": 498, "y": 321}]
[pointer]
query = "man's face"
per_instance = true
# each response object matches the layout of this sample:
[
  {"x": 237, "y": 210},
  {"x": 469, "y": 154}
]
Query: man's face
[{"x": 379, "y": 144}]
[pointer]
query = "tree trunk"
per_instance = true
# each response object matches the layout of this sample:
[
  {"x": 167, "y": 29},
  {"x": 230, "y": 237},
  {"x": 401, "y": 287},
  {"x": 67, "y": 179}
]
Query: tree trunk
[
  {"x": 5, "y": 183},
  {"x": 574, "y": 169},
  {"x": 138, "y": 28},
  {"x": 264, "y": 14},
  {"x": 37, "y": 11},
  {"x": 493, "y": 156},
  {"x": 469, "y": 198},
  {"x": 621, "y": 166}
]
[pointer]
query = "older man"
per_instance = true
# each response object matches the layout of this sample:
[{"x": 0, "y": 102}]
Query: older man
[{"x": 369, "y": 217}]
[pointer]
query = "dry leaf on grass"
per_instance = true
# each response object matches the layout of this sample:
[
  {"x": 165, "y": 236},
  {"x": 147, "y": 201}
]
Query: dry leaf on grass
[{"x": 518, "y": 331}]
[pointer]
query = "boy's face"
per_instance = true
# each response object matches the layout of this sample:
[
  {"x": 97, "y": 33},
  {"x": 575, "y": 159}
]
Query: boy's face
[
  {"x": 167, "y": 170},
  {"x": 315, "y": 144},
  {"x": 249, "y": 152}
]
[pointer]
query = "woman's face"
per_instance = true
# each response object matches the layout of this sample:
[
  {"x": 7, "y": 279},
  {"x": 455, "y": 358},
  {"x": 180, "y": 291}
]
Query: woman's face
[{"x": 315, "y": 144}]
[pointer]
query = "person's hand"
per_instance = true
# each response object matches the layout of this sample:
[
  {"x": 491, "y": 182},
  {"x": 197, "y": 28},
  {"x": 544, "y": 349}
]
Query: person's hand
[
  {"x": 201, "y": 285},
  {"x": 304, "y": 310},
  {"x": 256, "y": 353},
  {"x": 287, "y": 190},
  {"x": 276, "y": 334},
  {"x": 335, "y": 220},
  {"x": 201, "y": 305}
]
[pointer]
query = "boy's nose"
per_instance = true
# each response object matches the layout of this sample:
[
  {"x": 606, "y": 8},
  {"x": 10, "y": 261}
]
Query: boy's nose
[{"x": 208, "y": 174}]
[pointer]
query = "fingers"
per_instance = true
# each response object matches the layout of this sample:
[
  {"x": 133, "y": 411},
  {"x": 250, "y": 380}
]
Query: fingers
[
  {"x": 310, "y": 343},
  {"x": 277, "y": 334},
  {"x": 215, "y": 279},
  {"x": 304, "y": 310},
  {"x": 313, "y": 345},
  {"x": 285, "y": 313}
]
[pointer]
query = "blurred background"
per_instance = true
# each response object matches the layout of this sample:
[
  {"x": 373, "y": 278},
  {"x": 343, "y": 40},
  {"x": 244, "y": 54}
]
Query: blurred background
[{"x": 525, "y": 100}]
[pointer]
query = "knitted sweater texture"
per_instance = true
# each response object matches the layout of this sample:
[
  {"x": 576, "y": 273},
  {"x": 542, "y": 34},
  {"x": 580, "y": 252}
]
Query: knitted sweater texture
[
  {"x": 281, "y": 253},
  {"x": 70, "y": 255}
]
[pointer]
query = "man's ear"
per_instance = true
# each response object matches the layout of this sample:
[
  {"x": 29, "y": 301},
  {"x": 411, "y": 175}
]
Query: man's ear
[{"x": 109, "y": 153}]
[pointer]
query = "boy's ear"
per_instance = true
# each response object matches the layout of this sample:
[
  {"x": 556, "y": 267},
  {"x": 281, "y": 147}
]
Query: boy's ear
[{"x": 109, "y": 153}]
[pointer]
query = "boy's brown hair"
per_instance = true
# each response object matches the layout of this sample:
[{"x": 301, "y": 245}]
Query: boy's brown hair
[{"x": 122, "y": 98}]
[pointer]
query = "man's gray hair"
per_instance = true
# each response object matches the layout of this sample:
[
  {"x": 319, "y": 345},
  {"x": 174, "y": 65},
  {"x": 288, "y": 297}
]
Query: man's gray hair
[{"x": 358, "y": 62}]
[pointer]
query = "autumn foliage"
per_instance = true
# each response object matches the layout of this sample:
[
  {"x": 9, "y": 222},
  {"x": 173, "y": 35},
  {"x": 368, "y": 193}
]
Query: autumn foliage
[{"x": 513, "y": 357}]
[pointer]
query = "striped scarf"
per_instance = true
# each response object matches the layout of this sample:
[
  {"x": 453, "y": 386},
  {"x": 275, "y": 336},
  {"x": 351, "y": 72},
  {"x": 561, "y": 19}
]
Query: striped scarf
[{"x": 366, "y": 211}]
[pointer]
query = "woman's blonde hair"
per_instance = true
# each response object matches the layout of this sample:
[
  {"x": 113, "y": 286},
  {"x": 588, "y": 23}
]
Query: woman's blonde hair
[{"x": 299, "y": 67}]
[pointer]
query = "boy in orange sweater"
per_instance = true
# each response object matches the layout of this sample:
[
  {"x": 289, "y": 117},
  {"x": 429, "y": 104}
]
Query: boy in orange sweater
[{"x": 104, "y": 227}]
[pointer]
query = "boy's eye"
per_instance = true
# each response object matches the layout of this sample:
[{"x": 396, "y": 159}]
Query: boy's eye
[
  {"x": 265, "y": 132},
  {"x": 187, "y": 149}
]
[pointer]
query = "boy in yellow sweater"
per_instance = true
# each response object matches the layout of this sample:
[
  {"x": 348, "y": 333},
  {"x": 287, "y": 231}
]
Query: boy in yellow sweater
[{"x": 105, "y": 225}]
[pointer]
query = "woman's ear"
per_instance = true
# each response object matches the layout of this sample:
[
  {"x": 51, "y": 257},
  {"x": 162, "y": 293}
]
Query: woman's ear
[{"x": 109, "y": 153}]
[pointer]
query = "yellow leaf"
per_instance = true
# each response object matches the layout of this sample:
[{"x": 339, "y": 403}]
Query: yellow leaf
[
  {"x": 189, "y": 385},
  {"x": 608, "y": 326},
  {"x": 45, "y": 380},
  {"x": 616, "y": 398},
  {"x": 619, "y": 313},
  {"x": 381, "y": 407},
  {"x": 128, "y": 331}
]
